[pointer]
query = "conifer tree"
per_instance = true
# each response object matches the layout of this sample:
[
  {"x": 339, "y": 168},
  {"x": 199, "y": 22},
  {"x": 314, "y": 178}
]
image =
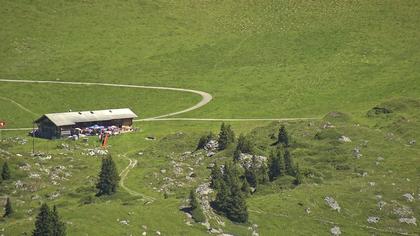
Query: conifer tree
[
  {"x": 43, "y": 223},
  {"x": 298, "y": 176},
  {"x": 8, "y": 208},
  {"x": 48, "y": 223},
  {"x": 264, "y": 178},
  {"x": 222, "y": 196},
  {"x": 5, "y": 174},
  {"x": 229, "y": 199},
  {"x": 236, "y": 207},
  {"x": 204, "y": 140},
  {"x": 288, "y": 160},
  {"x": 226, "y": 136},
  {"x": 251, "y": 177},
  {"x": 282, "y": 165},
  {"x": 230, "y": 134},
  {"x": 283, "y": 138},
  {"x": 216, "y": 177},
  {"x": 273, "y": 166},
  {"x": 245, "y": 188},
  {"x": 236, "y": 155},
  {"x": 244, "y": 145},
  {"x": 108, "y": 177},
  {"x": 196, "y": 210},
  {"x": 58, "y": 227}
]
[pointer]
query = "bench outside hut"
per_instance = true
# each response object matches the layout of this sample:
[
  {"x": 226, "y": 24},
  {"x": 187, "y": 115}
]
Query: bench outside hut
[{"x": 58, "y": 125}]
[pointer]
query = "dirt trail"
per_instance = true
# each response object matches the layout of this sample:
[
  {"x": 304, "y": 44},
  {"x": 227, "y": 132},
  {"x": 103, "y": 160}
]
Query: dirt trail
[{"x": 123, "y": 176}]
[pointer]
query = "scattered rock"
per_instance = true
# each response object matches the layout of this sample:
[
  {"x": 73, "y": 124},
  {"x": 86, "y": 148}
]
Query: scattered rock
[
  {"x": 54, "y": 196},
  {"x": 124, "y": 222},
  {"x": 344, "y": 139},
  {"x": 150, "y": 138},
  {"x": 25, "y": 167},
  {"x": 381, "y": 205},
  {"x": 335, "y": 231},
  {"x": 214, "y": 231},
  {"x": 372, "y": 184},
  {"x": 158, "y": 233},
  {"x": 212, "y": 145},
  {"x": 34, "y": 176},
  {"x": 163, "y": 171},
  {"x": 410, "y": 221},
  {"x": 357, "y": 153},
  {"x": 409, "y": 197},
  {"x": 403, "y": 211},
  {"x": 246, "y": 160},
  {"x": 97, "y": 152},
  {"x": 373, "y": 219},
  {"x": 210, "y": 154},
  {"x": 332, "y": 203},
  {"x": 19, "y": 184},
  {"x": 412, "y": 142},
  {"x": 308, "y": 210},
  {"x": 328, "y": 125},
  {"x": 378, "y": 110},
  {"x": 364, "y": 174}
]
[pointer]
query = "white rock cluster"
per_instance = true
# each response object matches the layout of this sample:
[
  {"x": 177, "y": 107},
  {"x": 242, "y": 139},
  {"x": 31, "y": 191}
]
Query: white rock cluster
[{"x": 332, "y": 203}]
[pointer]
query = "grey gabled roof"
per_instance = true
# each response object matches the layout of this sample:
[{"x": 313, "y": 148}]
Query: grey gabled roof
[{"x": 71, "y": 118}]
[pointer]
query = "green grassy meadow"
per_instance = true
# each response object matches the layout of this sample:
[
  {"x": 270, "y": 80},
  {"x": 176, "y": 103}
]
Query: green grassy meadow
[
  {"x": 285, "y": 59},
  {"x": 259, "y": 59}
]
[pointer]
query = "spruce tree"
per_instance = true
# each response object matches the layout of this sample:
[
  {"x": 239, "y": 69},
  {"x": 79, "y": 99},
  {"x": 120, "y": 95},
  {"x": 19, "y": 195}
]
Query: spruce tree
[
  {"x": 58, "y": 227},
  {"x": 282, "y": 165},
  {"x": 264, "y": 178},
  {"x": 288, "y": 160},
  {"x": 196, "y": 211},
  {"x": 245, "y": 188},
  {"x": 298, "y": 176},
  {"x": 244, "y": 145},
  {"x": 43, "y": 222},
  {"x": 202, "y": 142},
  {"x": 108, "y": 177},
  {"x": 236, "y": 206},
  {"x": 226, "y": 136},
  {"x": 229, "y": 199},
  {"x": 8, "y": 208},
  {"x": 283, "y": 138},
  {"x": 236, "y": 155},
  {"x": 216, "y": 177},
  {"x": 5, "y": 174},
  {"x": 251, "y": 177},
  {"x": 222, "y": 197},
  {"x": 273, "y": 166},
  {"x": 230, "y": 134}
]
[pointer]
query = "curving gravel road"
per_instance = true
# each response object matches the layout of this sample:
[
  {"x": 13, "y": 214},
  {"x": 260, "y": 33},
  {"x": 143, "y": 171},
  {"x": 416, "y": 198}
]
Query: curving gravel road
[{"x": 205, "y": 97}]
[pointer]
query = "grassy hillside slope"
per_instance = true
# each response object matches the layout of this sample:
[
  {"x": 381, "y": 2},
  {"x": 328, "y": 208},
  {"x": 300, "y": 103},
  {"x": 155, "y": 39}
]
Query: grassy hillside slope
[{"x": 259, "y": 58}]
